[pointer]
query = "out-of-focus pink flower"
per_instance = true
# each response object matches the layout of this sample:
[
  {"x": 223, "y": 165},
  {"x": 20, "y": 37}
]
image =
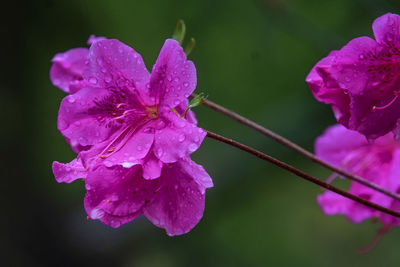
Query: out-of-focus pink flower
[
  {"x": 378, "y": 162},
  {"x": 362, "y": 80},
  {"x": 128, "y": 128}
]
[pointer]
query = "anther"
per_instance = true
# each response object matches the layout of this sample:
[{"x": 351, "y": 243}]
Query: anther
[
  {"x": 395, "y": 93},
  {"x": 108, "y": 201},
  {"x": 111, "y": 149},
  {"x": 102, "y": 156}
]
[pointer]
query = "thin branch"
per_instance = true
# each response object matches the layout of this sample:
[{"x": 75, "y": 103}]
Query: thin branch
[
  {"x": 300, "y": 173},
  {"x": 298, "y": 149}
]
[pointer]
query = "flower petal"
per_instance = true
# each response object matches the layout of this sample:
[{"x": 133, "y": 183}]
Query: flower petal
[
  {"x": 76, "y": 122},
  {"x": 67, "y": 69},
  {"x": 387, "y": 29},
  {"x": 117, "y": 191},
  {"x": 173, "y": 78},
  {"x": 151, "y": 167},
  {"x": 179, "y": 139},
  {"x": 69, "y": 172},
  {"x": 178, "y": 206},
  {"x": 112, "y": 64}
]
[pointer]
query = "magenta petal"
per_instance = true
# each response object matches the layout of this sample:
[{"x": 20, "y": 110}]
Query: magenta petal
[
  {"x": 200, "y": 176},
  {"x": 69, "y": 172},
  {"x": 93, "y": 38},
  {"x": 112, "y": 64},
  {"x": 173, "y": 78},
  {"x": 333, "y": 204},
  {"x": 136, "y": 147},
  {"x": 387, "y": 29},
  {"x": 76, "y": 122},
  {"x": 178, "y": 206},
  {"x": 151, "y": 167},
  {"x": 336, "y": 143},
  {"x": 179, "y": 139},
  {"x": 117, "y": 191},
  {"x": 114, "y": 221},
  {"x": 67, "y": 68}
]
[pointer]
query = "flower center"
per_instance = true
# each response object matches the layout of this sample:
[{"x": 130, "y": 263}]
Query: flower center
[{"x": 152, "y": 112}]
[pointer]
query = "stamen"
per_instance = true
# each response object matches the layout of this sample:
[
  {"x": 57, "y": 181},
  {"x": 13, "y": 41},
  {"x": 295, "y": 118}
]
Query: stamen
[
  {"x": 102, "y": 156},
  {"x": 396, "y": 94},
  {"x": 111, "y": 149}
]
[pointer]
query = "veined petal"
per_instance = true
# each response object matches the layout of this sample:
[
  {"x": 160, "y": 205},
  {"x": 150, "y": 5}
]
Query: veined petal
[
  {"x": 179, "y": 139},
  {"x": 117, "y": 191},
  {"x": 179, "y": 204},
  {"x": 112, "y": 64},
  {"x": 387, "y": 29},
  {"x": 69, "y": 172},
  {"x": 67, "y": 69},
  {"x": 173, "y": 78}
]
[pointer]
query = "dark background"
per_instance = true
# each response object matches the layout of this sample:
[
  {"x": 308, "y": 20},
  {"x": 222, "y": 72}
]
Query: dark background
[{"x": 251, "y": 56}]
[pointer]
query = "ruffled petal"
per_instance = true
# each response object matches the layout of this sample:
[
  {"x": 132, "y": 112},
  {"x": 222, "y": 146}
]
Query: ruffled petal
[
  {"x": 78, "y": 124},
  {"x": 118, "y": 192},
  {"x": 67, "y": 69},
  {"x": 179, "y": 204},
  {"x": 179, "y": 139},
  {"x": 337, "y": 143},
  {"x": 151, "y": 167},
  {"x": 173, "y": 78},
  {"x": 112, "y": 64},
  {"x": 197, "y": 172},
  {"x": 69, "y": 172},
  {"x": 326, "y": 89},
  {"x": 387, "y": 29},
  {"x": 333, "y": 204}
]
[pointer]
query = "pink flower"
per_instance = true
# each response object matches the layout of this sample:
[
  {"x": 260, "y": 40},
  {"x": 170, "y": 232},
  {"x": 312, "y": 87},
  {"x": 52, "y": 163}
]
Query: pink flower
[
  {"x": 378, "y": 162},
  {"x": 125, "y": 123},
  {"x": 362, "y": 80}
]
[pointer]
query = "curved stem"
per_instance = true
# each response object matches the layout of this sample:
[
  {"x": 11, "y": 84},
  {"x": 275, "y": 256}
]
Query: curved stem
[
  {"x": 298, "y": 149},
  {"x": 300, "y": 173}
]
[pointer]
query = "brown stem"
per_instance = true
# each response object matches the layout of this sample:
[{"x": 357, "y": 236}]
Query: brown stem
[
  {"x": 300, "y": 150},
  {"x": 300, "y": 173}
]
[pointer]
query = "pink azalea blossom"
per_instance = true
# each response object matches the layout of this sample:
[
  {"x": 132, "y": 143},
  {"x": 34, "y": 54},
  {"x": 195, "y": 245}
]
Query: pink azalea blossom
[
  {"x": 128, "y": 128},
  {"x": 362, "y": 80},
  {"x": 378, "y": 162}
]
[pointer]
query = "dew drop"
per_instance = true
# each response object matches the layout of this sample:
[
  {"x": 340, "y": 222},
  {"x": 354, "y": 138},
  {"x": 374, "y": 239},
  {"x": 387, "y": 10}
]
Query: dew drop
[
  {"x": 160, "y": 124},
  {"x": 347, "y": 79},
  {"x": 108, "y": 163},
  {"x": 177, "y": 102},
  {"x": 93, "y": 80},
  {"x": 176, "y": 79},
  {"x": 181, "y": 138},
  {"x": 139, "y": 148},
  {"x": 83, "y": 141},
  {"x": 186, "y": 84},
  {"x": 103, "y": 70},
  {"x": 176, "y": 187},
  {"x": 361, "y": 57},
  {"x": 169, "y": 78},
  {"x": 196, "y": 139},
  {"x": 160, "y": 152},
  {"x": 192, "y": 147},
  {"x": 71, "y": 99},
  {"x": 108, "y": 78},
  {"x": 77, "y": 123},
  {"x": 374, "y": 84}
]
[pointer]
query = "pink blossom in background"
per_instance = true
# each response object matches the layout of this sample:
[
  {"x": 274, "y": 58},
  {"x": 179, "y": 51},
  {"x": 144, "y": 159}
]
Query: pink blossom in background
[
  {"x": 378, "y": 162},
  {"x": 362, "y": 80},
  {"x": 129, "y": 130}
]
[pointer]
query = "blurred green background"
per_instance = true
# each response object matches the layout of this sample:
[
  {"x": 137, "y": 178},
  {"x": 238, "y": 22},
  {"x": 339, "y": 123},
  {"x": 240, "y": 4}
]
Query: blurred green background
[{"x": 252, "y": 57}]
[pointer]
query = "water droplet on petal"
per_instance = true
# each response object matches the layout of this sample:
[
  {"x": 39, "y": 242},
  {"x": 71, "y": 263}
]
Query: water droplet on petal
[
  {"x": 181, "y": 138},
  {"x": 160, "y": 152},
  {"x": 374, "y": 84},
  {"x": 347, "y": 79},
  {"x": 103, "y": 70},
  {"x": 71, "y": 99},
  {"x": 176, "y": 187},
  {"x": 361, "y": 57},
  {"x": 108, "y": 78},
  {"x": 192, "y": 147},
  {"x": 93, "y": 80},
  {"x": 186, "y": 84},
  {"x": 169, "y": 78},
  {"x": 62, "y": 124},
  {"x": 196, "y": 139},
  {"x": 177, "y": 102},
  {"x": 139, "y": 148},
  {"x": 176, "y": 79},
  {"x": 83, "y": 141},
  {"x": 160, "y": 124},
  {"x": 108, "y": 163}
]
